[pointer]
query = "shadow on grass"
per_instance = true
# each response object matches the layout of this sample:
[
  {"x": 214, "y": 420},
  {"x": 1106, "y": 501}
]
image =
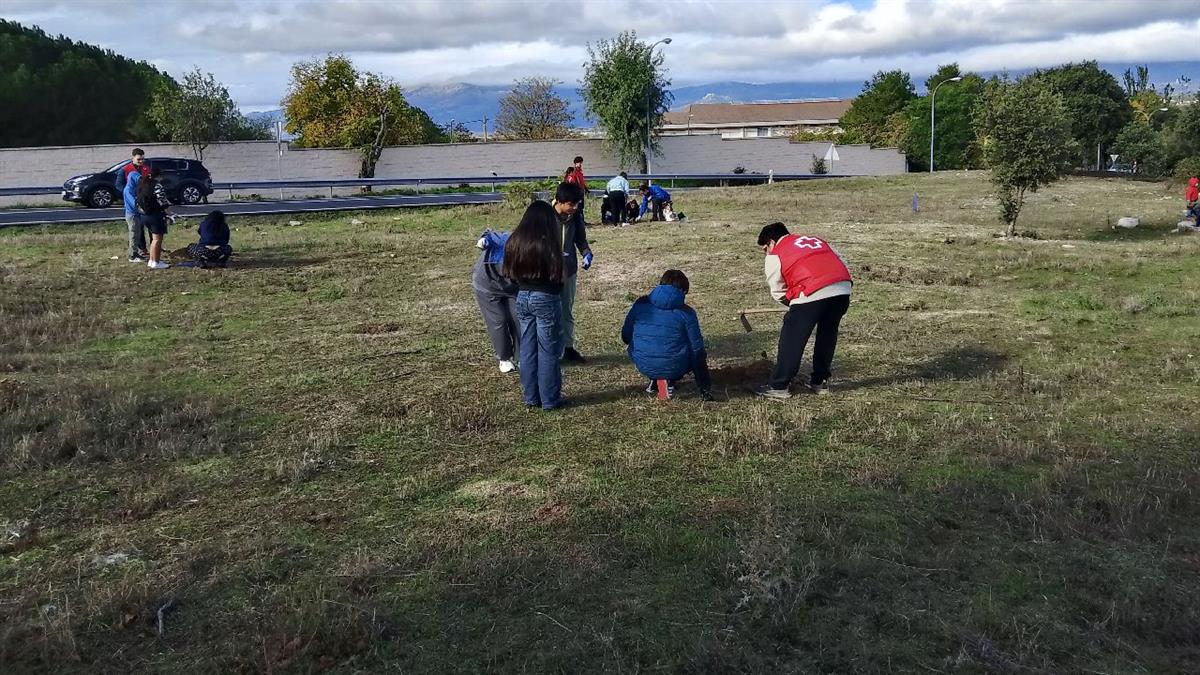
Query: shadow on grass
[
  {"x": 275, "y": 260},
  {"x": 961, "y": 363},
  {"x": 739, "y": 381}
]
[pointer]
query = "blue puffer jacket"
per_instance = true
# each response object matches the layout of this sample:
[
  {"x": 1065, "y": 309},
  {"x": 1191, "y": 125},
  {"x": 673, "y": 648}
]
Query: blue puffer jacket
[{"x": 663, "y": 334}]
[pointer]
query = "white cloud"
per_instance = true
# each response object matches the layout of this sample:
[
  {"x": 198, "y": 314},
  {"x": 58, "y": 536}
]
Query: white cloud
[{"x": 250, "y": 44}]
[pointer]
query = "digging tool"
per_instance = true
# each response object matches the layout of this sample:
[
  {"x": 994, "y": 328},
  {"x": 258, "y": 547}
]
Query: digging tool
[{"x": 746, "y": 323}]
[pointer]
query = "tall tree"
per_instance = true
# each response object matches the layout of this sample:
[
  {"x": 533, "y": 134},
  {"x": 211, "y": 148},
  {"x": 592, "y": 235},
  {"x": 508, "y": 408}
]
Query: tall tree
[
  {"x": 54, "y": 91},
  {"x": 531, "y": 111},
  {"x": 200, "y": 111},
  {"x": 1097, "y": 105},
  {"x": 884, "y": 95},
  {"x": 1026, "y": 138},
  {"x": 1138, "y": 142},
  {"x": 330, "y": 104},
  {"x": 955, "y": 145},
  {"x": 1144, "y": 98},
  {"x": 626, "y": 91}
]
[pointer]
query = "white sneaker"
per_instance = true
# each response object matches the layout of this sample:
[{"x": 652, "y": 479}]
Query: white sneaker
[
  {"x": 157, "y": 265},
  {"x": 507, "y": 366}
]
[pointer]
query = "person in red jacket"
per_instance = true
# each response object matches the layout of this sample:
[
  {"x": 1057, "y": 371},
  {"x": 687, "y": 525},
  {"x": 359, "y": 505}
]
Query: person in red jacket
[
  {"x": 1191, "y": 195},
  {"x": 810, "y": 278},
  {"x": 137, "y": 163}
]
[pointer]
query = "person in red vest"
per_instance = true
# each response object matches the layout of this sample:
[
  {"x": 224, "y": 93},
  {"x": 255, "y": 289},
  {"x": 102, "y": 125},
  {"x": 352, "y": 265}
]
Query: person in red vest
[
  {"x": 810, "y": 278},
  {"x": 1191, "y": 196},
  {"x": 576, "y": 177}
]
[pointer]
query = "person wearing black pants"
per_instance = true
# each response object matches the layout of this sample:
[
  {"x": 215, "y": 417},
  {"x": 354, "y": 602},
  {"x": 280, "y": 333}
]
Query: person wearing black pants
[
  {"x": 806, "y": 274},
  {"x": 798, "y": 324}
]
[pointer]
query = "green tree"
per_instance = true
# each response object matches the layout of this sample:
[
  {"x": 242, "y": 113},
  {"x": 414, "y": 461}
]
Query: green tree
[
  {"x": 625, "y": 90},
  {"x": 54, "y": 91},
  {"x": 1138, "y": 142},
  {"x": 955, "y": 146},
  {"x": 330, "y": 104},
  {"x": 1143, "y": 97},
  {"x": 870, "y": 117},
  {"x": 200, "y": 111},
  {"x": 1026, "y": 138},
  {"x": 531, "y": 111},
  {"x": 1181, "y": 136},
  {"x": 1096, "y": 103}
]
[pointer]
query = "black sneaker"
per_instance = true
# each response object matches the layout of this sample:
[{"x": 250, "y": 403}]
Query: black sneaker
[{"x": 572, "y": 356}]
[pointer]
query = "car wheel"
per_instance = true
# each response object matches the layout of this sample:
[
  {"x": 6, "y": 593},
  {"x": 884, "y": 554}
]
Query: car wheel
[
  {"x": 190, "y": 194},
  {"x": 101, "y": 197}
]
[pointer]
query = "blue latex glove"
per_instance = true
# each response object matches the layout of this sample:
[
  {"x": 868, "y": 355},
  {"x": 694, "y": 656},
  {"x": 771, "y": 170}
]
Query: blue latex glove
[{"x": 587, "y": 260}]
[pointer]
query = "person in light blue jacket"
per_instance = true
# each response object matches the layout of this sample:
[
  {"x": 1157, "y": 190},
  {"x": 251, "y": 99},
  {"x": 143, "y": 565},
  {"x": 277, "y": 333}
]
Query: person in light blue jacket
[
  {"x": 616, "y": 192},
  {"x": 663, "y": 334},
  {"x": 497, "y": 298}
]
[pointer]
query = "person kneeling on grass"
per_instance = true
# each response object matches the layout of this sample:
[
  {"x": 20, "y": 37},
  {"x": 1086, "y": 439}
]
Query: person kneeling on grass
[
  {"x": 497, "y": 298},
  {"x": 213, "y": 249},
  {"x": 810, "y": 278},
  {"x": 663, "y": 334},
  {"x": 152, "y": 205},
  {"x": 533, "y": 258}
]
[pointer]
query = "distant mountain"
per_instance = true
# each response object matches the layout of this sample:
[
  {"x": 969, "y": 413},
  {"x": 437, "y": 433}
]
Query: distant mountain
[
  {"x": 745, "y": 92},
  {"x": 270, "y": 117},
  {"x": 469, "y": 103}
]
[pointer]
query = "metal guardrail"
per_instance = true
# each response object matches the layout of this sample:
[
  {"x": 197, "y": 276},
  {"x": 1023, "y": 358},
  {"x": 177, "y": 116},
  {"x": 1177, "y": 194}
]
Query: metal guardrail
[{"x": 448, "y": 180}]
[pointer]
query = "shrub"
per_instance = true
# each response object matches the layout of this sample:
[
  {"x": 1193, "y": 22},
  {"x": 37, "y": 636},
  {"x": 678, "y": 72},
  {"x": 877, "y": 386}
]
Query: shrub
[
  {"x": 818, "y": 166},
  {"x": 519, "y": 194},
  {"x": 1186, "y": 168}
]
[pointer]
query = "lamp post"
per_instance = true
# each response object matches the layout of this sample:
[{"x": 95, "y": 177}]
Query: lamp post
[
  {"x": 932, "y": 113},
  {"x": 650, "y": 64}
]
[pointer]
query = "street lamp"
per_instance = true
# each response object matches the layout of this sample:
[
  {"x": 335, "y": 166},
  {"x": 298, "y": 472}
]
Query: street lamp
[
  {"x": 650, "y": 64},
  {"x": 932, "y": 111}
]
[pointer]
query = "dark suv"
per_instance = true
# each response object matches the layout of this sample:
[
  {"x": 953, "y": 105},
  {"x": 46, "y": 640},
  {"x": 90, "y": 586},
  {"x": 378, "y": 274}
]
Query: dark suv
[{"x": 185, "y": 180}]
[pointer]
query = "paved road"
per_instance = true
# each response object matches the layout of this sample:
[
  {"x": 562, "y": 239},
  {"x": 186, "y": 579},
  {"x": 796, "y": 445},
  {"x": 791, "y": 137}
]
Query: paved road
[{"x": 82, "y": 215}]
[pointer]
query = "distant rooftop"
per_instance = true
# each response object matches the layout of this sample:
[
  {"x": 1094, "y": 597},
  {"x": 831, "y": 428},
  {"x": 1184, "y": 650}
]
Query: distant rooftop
[{"x": 808, "y": 111}]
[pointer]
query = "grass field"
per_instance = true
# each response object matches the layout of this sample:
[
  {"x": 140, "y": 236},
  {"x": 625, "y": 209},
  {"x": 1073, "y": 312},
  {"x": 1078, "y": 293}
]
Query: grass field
[{"x": 309, "y": 462}]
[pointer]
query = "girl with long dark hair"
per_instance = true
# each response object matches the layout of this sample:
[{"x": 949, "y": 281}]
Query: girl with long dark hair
[{"x": 533, "y": 258}]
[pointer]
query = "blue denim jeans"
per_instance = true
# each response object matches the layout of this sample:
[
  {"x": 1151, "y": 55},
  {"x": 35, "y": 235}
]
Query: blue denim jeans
[{"x": 539, "y": 320}]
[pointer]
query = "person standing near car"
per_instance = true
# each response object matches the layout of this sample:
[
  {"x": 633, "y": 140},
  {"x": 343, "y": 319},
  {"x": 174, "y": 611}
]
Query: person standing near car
[
  {"x": 137, "y": 162},
  {"x": 129, "y": 177},
  {"x": 137, "y": 235},
  {"x": 152, "y": 204}
]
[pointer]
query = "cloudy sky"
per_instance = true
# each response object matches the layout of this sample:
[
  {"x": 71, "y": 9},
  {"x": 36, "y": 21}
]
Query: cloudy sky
[{"x": 250, "y": 44}]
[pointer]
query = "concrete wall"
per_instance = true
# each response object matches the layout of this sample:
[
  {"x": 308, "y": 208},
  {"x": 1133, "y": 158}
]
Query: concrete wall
[{"x": 257, "y": 160}]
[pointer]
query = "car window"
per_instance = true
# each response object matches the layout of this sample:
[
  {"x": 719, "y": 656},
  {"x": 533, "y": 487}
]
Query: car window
[
  {"x": 115, "y": 167},
  {"x": 181, "y": 165}
]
